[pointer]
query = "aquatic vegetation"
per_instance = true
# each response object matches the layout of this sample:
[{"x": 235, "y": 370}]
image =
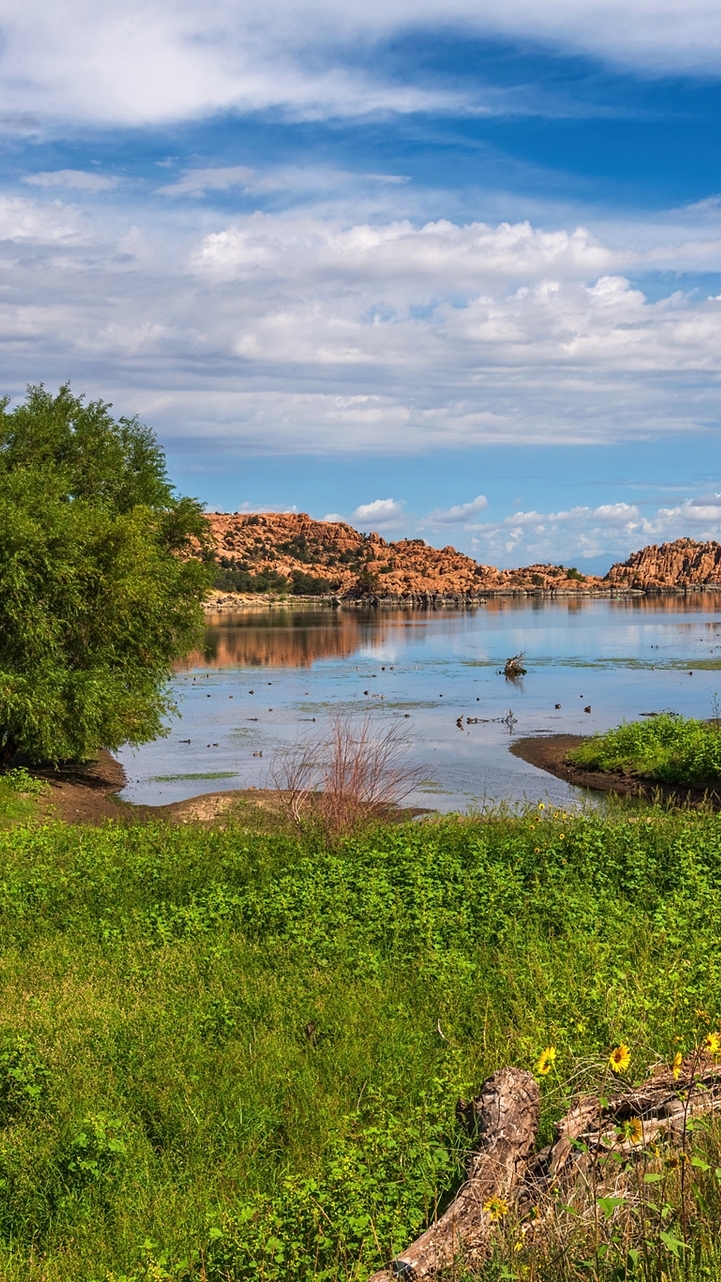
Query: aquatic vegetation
[{"x": 667, "y": 748}]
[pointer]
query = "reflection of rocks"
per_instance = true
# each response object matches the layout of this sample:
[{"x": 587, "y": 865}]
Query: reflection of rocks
[
  {"x": 684, "y": 563},
  {"x": 284, "y": 639}
]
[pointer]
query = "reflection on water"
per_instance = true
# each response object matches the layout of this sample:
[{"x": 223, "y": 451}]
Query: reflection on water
[
  {"x": 296, "y": 638},
  {"x": 282, "y": 639},
  {"x": 265, "y": 676}
]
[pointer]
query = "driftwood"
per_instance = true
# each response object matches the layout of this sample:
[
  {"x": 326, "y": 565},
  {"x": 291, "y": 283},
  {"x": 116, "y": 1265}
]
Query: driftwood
[
  {"x": 513, "y": 667},
  {"x": 504, "y": 1118}
]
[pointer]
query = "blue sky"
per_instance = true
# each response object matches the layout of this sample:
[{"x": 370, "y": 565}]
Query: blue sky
[{"x": 439, "y": 271}]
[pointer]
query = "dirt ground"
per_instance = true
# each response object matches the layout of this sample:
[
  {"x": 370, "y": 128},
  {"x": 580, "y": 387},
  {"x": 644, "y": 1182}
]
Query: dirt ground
[
  {"x": 87, "y": 793},
  {"x": 548, "y": 752}
]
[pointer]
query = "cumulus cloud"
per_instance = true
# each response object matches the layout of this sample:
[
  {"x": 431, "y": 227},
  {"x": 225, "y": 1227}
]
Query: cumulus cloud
[
  {"x": 615, "y": 529},
  {"x": 28, "y": 220},
  {"x": 72, "y": 180},
  {"x": 379, "y": 514},
  {"x": 305, "y": 333}
]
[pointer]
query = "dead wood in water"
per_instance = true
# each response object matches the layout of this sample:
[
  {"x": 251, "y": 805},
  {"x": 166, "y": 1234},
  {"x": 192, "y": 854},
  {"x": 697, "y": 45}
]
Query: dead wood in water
[
  {"x": 599, "y": 1146},
  {"x": 513, "y": 667}
]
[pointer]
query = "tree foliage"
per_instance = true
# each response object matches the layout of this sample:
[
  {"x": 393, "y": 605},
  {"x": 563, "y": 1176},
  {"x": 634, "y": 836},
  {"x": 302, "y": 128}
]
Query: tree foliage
[{"x": 98, "y": 594}]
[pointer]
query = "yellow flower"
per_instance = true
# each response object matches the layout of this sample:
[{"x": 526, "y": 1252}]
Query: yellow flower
[
  {"x": 546, "y": 1061},
  {"x": 712, "y": 1043},
  {"x": 676, "y": 1066},
  {"x": 496, "y": 1208},
  {"x": 620, "y": 1058},
  {"x": 634, "y": 1130},
  {"x": 541, "y": 806}
]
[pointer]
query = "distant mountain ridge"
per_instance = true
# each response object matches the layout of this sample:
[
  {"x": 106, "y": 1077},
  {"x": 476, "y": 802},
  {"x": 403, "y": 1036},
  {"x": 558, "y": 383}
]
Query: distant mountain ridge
[{"x": 292, "y": 552}]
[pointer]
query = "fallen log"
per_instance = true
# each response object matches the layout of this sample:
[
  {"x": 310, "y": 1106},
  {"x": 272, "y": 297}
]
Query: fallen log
[
  {"x": 506, "y": 1115},
  {"x": 502, "y": 1164}
]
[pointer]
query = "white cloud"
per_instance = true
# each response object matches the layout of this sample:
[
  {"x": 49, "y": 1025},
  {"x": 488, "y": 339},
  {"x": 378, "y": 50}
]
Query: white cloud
[
  {"x": 27, "y": 220},
  {"x": 380, "y": 513},
  {"x": 303, "y": 332},
  {"x": 72, "y": 180},
  {"x": 160, "y": 60},
  {"x": 614, "y": 529},
  {"x": 196, "y": 182},
  {"x": 457, "y": 515}
]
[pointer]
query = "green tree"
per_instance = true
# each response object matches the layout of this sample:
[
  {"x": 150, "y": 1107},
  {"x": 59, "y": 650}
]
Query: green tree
[{"x": 98, "y": 590}]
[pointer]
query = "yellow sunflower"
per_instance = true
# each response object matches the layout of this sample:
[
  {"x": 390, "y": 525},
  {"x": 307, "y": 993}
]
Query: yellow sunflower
[
  {"x": 496, "y": 1208},
  {"x": 620, "y": 1058},
  {"x": 676, "y": 1066},
  {"x": 546, "y": 1060},
  {"x": 634, "y": 1130}
]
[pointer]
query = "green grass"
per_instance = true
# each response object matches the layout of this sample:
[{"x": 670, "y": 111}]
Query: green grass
[
  {"x": 219, "y": 1050},
  {"x": 667, "y": 749},
  {"x": 19, "y": 793}
]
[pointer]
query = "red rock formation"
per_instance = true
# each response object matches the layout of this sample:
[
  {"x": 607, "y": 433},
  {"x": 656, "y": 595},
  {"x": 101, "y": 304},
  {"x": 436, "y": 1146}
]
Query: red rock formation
[
  {"x": 356, "y": 563},
  {"x": 684, "y": 563}
]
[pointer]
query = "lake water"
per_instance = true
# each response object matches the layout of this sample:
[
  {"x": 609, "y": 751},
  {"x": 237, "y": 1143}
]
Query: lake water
[{"x": 265, "y": 676}]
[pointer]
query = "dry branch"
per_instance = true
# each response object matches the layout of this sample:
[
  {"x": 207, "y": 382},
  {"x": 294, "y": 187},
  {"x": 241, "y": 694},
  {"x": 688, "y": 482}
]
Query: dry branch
[
  {"x": 505, "y": 1116},
  {"x": 354, "y": 771},
  {"x": 513, "y": 667}
]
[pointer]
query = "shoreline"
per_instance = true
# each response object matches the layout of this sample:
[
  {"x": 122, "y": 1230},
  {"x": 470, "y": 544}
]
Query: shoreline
[
  {"x": 239, "y": 602},
  {"x": 87, "y": 793},
  {"x": 548, "y": 752}
]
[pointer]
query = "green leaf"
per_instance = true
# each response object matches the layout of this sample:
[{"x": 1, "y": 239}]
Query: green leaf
[
  {"x": 672, "y": 1244},
  {"x": 608, "y": 1205}
]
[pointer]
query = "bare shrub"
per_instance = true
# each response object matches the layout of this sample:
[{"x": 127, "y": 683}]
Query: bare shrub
[{"x": 354, "y": 772}]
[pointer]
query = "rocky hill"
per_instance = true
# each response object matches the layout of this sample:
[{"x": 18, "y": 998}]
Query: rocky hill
[
  {"x": 292, "y": 552},
  {"x": 684, "y": 563}
]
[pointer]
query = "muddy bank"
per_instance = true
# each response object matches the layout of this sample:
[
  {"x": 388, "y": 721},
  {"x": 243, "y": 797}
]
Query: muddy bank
[
  {"x": 549, "y": 752},
  {"x": 87, "y": 793}
]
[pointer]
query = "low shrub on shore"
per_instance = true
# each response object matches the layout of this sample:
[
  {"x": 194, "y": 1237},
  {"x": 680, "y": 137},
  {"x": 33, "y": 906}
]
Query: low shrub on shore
[
  {"x": 229, "y": 1056},
  {"x": 666, "y": 748}
]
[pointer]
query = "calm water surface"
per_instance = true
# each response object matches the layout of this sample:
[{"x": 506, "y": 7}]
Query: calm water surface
[{"x": 265, "y": 676}]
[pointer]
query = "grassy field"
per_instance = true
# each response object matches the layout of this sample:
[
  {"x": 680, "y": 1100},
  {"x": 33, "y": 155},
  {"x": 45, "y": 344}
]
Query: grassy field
[
  {"x": 225, "y": 1055},
  {"x": 667, "y": 748}
]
